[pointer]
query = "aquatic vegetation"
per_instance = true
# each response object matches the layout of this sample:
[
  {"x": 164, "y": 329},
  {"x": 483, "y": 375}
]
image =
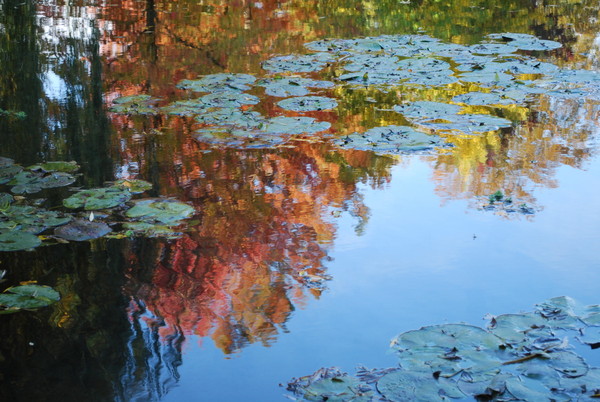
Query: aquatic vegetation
[
  {"x": 27, "y": 297},
  {"x": 391, "y": 139},
  {"x": 284, "y": 87},
  {"x": 163, "y": 210},
  {"x": 307, "y": 103},
  {"x": 81, "y": 230},
  {"x": 14, "y": 240},
  {"x": 135, "y": 104},
  {"x": 525, "y": 356},
  {"x": 505, "y": 206},
  {"x": 98, "y": 198},
  {"x": 219, "y": 83},
  {"x": 33, "y": 181}
]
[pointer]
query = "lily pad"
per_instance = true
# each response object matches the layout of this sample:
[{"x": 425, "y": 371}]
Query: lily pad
[
  {"x": 31, "y": 219},
  {"x": 239, "y": 138},
  {"x": 421, "y": 110},
  {"x": 5, "y": 201},
  {"x": 185, "y": 108},
  {"x": 31, "y": 182},
  {"x": 231, "y": 117},
  {"x": 229, "y": 99},
  {"x": 343, "y": 388},
  {"x": 526, "y": 41},
  {"x": 98, "y": 198},
  {"x": 308, "y": 103},
  {"x": 8, "y": 172},
  {"x": 294, "y": 125},
  {"x": 56, "y": 166},
  {"x": 516, "y": 328},
  {"x": 152, "y": 230},
  {"x": 27, "y": 297},
  {"x": 292, "y": 86},
  {"x": 15, "y": 240},
  {"x": 483, "y": 98},
  {"x": 135, "y": 104},
  {"x": 492, "y": 48},
  {"x": 406, "y": 385},
  {"x": 82, "y": 230},
  {"x": 221, "y": 82},
  {"x": 305, "y": 63},
  {"x": 468, "y": 123},
  {"x": 166, "y": 211},
  {"x": 134, "y": 186},
  {"x": 390, "y": 139}
]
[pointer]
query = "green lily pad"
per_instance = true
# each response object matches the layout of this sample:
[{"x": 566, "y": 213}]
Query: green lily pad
[
  {"x": 166, "y": 211},
  {"x": 292, "y": 86},
  {"x": 584, "y": 387},
  {"x": 229, "y": 99},
  {"x": 134, "y": 186},
  {"x": 516, "y": 328},
  {"x": 308, "y": 103},
  {"x": 8, "y": 172},
  {"x": 5, "y": 201},
  {"x": 31, "y": 219},
  {"x": 15, "y": 240},
  {"x": 294, "y": 125},
  {"x": 231, "y": 117},
  {"x": 27, "y": 297},
  {"x": 405, "y": 385},
  {"x": 305, "y": 63},
  {"x": 98, "y": 198},
  {"x": 421, "y": 110},
  {"x": 526, "y": 41},
  {"x": 390, "y": 139},
  {"x": 185, "y": 108},
  {"x": 82, "y": 230},
  {"x": 221, "y": 82},
  {"x": 31, "y": 182},
  {"x": 372, "y": 63},
  {"x": 468, "y": 123},
  {"x": 487, "y": 75},
  {"x": 239, "y": 138},
  {"x": 492, "y": 48},
  {"x": 56, "y": 166},
  {"x": 152, "y": 230},
  {"x": 483, "y": 98},
  {"x": 343, "y": 388},
  {"x": 561, "y": 312},
  {"x": 135, "y": 104}
]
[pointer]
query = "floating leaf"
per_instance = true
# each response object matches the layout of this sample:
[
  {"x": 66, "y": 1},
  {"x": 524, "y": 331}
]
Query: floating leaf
[
  {"x": 343, "y": 388},
  {"x": 292, "y": 86},
  {"x": 31, "y": 219},
  {"x": 526, "y": 41},
  {"x": 186, "y": 107},
  {"x": 82, "y": 230},
  {"x": 134, "y": 186},
  {"x": 427, "y": 110},
  {"x": 492, "y": 48},
  {"x": 406, "y": 385},
  {"x": 468, "y": 123},
  {"x": 229, "y": 99},
  {"x": 8, "y": 172},
  {"x": 516, "y": 328},
  {"x": 152, "y": 230},
  {"x": 390, "y": 139},
  {"x": 294, "y": 125},
  {"x": 298, "y": 63},
  {"x": 166, "y": 211},
  {"x": 27, "y": 297},
  {"x": 482, "y": 98},
  {"x": 56, "y": 166},
  {"x": 5, "y": 201},
  {"x": 14, "y": 240},
  {"x": 32, "y": 182},
  {"x": 308, "y": 103},
  {"x": 231, "y": 117},
  {"x": 239, "y": 138},
  {"x": 98, "y": 198},
  {"x": 221, "y": 82},
  {"x": 135, "y": 104}
]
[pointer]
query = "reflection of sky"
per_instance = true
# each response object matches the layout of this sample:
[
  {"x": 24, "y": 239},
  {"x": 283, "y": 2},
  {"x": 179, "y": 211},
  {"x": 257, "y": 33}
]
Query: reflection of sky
[{"x": 417, "y": 264}]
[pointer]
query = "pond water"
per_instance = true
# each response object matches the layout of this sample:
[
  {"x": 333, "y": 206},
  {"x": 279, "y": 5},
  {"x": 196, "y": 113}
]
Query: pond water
[{"x": 303, "y": 253}]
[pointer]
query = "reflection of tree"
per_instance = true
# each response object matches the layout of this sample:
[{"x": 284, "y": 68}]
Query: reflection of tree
[{"x": 260, "y": 248}]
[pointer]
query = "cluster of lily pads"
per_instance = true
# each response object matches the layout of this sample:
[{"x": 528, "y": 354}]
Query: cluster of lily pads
[
  {"x": 500, "y": 204},
  {"x": 525, "y": 356},
  {"x": 84, "y": 215},
  {"x": 498, "y": 69}
]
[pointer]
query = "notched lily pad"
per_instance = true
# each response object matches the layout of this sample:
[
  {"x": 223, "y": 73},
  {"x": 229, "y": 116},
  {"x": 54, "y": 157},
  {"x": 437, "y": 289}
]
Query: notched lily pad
[
  {"x": 308, "y": 103},
  {"x": 166, "y": 211},
  {"x": 15, "y": 240},
  {"x": 390, "y": 139},
  {"x": 82, "y": 230},
  {"x": 221, "y": 82},
  {"x": 98, "y": 198},
  {"x": 27, "y": 297}
]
